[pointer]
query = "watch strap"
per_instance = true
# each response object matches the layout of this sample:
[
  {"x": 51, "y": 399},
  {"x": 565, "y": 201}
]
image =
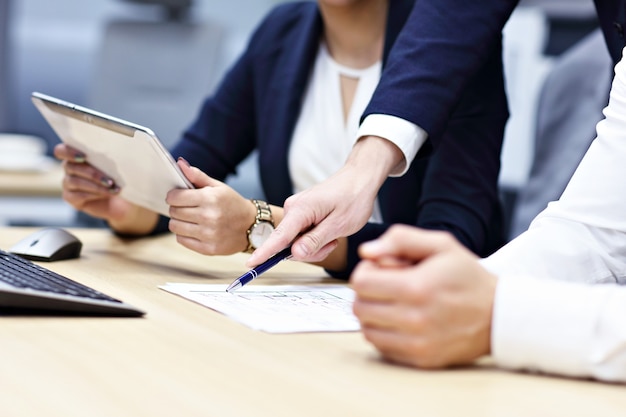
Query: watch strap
[{"x": 263, "y": 214}]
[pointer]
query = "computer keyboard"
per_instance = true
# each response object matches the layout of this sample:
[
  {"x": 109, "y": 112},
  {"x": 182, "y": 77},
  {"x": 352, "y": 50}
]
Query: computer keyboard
[{"x": 28, "y": 287}]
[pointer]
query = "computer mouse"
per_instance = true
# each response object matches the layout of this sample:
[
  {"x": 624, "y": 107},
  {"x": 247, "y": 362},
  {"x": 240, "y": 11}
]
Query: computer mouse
[{"x": 48, "y": 245}]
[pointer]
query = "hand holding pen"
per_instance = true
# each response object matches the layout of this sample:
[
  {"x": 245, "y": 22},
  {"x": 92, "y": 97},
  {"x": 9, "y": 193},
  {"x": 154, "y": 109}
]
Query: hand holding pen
[{"x": 259, "y": 269}]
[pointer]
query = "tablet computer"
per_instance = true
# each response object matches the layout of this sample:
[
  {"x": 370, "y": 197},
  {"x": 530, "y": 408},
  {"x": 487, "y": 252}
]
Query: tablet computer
[{"x": 128, "y": 153}]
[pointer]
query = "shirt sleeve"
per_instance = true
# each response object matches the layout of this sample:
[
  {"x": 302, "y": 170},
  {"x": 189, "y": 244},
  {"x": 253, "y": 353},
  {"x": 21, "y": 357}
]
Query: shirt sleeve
[
  {"x": 558, "y": 306},
  {"x": 560, "y": 328},
  {"x": 582, "y": 236},
  {"x": 563, "y": 249},
  {"x": 402, "y": 133}
]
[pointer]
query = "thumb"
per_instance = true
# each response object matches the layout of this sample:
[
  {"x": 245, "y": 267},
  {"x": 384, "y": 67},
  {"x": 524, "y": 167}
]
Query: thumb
[{"x": 198, "y": 178}]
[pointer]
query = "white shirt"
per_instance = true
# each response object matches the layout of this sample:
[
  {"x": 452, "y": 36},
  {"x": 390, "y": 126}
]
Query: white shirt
[
  {"x": 547, "y": 314},
  {"x": 323, "y": 138}
]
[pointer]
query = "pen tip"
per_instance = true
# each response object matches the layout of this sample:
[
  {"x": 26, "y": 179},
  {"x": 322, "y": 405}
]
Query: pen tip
[{"x": 233, "y": 287}]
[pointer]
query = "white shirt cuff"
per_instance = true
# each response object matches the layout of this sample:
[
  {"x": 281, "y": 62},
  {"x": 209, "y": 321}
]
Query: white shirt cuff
[
  {"x": 543, "y": 325},
  {"x": 404, "y": 134}
]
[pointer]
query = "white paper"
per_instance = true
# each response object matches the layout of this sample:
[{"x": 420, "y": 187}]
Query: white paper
[{"x": 278, "y": 309}]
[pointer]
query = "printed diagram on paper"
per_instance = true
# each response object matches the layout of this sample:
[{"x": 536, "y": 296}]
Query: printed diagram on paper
[{"x": 278, "y": 309}]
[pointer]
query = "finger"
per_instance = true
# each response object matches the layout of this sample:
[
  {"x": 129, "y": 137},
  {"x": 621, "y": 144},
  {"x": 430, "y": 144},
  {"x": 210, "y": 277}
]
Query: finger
[
  {"x": 182, "y": 229},
  {"x": 79, "y": 198},
  {"x": 189, "y": 237},
  {"x": 371, "y": 282},
  {"x": 187, "y": 215},
  {"x": 308, "y": 245},
  {"x": 387, "y": 261},
  {"x": 74, "y": 184},
  {"x": 198, "y": 178},
  {"x": 200, "y": 218},
  {"x": 89, "y": 173},
  {"x": 280, "y": 238},
  {"x": 374, "y": 313},
  {"x": 394, "y": 345},
  {"x": 178, "y": 198},
  {"x": 313, "y": 244},
  {"x": 82, "y": 198},
  {"x": 321, "y": 254},
  {"x": 407, "y": 242},
  {"x": 276, "y": 242},
  {"x": 64, "y": 152},
  {"x": 190, "y": 243},
  {"x": 392, "y": 314}
]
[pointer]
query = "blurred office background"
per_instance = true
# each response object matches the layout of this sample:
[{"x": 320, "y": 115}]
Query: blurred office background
[
  {"x": 152, "y": 62},
  {"x": 62, "y": 48},
  {"x": 147, "y": 61}
]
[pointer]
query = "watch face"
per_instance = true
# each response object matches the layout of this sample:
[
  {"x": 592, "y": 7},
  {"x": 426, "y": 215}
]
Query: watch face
[{"x": 260, "y": 232}]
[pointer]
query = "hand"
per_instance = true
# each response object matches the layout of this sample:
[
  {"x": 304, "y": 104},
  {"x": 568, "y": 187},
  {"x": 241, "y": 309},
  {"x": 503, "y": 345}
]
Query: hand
[
  {"x": 337, "y": 207},
  {"x": 89, "y": 190},
  {"x": 423, "y": 299},
  {"x": 213, "y": 218}
]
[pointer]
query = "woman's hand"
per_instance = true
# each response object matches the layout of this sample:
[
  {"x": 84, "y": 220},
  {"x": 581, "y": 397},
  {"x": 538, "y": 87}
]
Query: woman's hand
[
  {"x": 91, "y": 191},
  {"x": 212, "y": 219},
  {"x": 339, "y": 206}
]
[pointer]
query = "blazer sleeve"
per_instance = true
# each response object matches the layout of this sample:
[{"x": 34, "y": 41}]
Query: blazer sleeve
[
  {"x": 222, "y": 134},
  {"x": 229, "y": 124},
  {"x": 455, "y": 189},
  {"x": 442, "y": 45},
  {"x": 460, "y": 191}
]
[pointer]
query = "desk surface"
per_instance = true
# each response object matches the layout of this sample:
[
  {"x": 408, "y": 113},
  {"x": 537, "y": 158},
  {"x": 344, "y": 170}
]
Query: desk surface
[
  {"x": 45, "y": 183},
  {"x": 183, "y": 359}
]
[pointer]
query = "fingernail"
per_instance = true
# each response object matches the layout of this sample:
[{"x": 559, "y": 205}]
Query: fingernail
[
  {"x": 107, "y": 182},
  {"x": 80, "y": 158},
  {"x": 304, "y": 250},
  {"x": 184, "y": 161},
  {"x": 373, "y": 246}
]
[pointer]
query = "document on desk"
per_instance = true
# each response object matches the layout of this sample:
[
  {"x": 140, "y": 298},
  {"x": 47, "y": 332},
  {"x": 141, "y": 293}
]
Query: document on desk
[{"x": 278, "y": 309}]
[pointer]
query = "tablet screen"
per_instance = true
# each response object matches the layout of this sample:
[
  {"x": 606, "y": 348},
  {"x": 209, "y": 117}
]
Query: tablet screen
[{"x": 130, "y": 154}]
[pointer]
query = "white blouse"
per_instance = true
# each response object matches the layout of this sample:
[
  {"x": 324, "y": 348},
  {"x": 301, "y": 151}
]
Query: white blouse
[{"x": 323, "y": 138}]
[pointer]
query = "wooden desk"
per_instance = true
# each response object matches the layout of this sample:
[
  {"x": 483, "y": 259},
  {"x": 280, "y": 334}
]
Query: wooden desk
[
  {"x": 185, "y": 360},
  {"x": 34, "y": 197},
  {"x": 45, "y": 183}
]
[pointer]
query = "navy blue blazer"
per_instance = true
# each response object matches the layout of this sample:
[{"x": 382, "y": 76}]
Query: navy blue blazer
[
  {"x": 612, "y": 17},
  {"x": 257, "y": 104},
  {"x": 443, "y": 44}
]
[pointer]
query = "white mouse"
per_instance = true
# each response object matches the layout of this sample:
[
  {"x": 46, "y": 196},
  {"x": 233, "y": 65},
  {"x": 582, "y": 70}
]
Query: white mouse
[{"x": 48, "y": 245}]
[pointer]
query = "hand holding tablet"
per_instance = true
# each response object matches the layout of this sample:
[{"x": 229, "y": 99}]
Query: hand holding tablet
[{"x": 128, "y": 153}]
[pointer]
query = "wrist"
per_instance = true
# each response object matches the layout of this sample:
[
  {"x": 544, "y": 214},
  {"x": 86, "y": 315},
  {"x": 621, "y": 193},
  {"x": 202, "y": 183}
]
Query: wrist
[
  {"x": 137, "y": 221},
  {"x": 375, "y": 155}
]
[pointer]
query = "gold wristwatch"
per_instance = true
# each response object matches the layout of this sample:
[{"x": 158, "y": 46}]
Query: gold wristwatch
[{"x": 262, "y": 227}]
